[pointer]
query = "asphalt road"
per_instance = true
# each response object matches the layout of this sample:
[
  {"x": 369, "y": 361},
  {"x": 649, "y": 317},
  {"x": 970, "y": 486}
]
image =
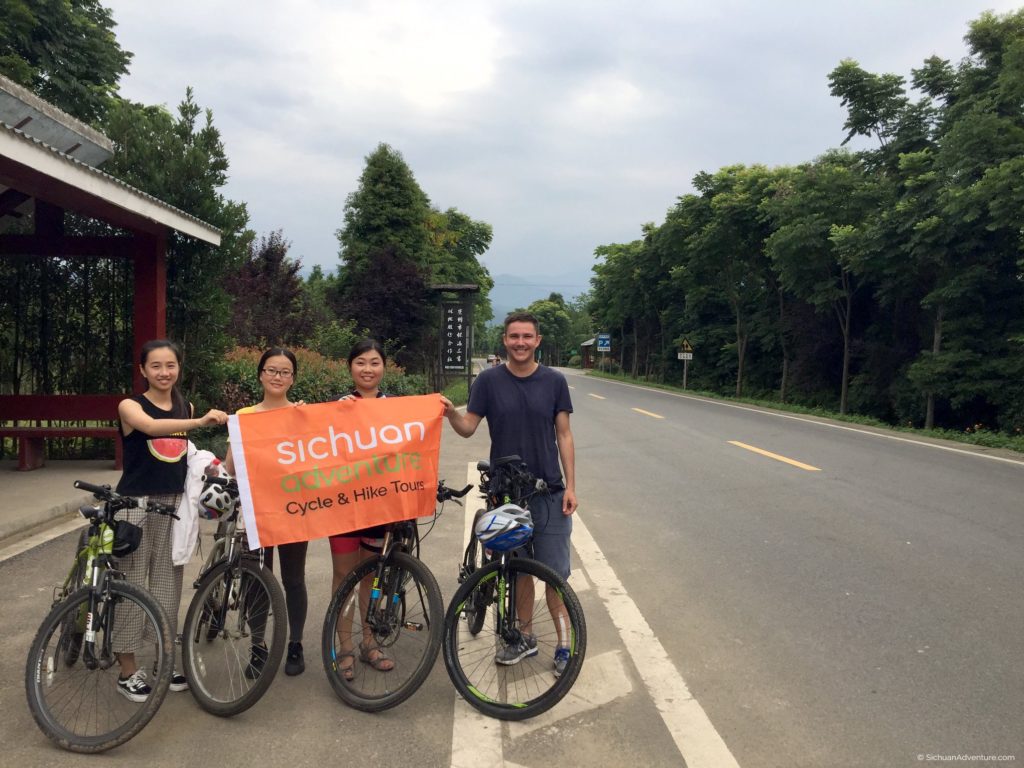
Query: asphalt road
[
  {"x": 862, "y": 612},
  {"x": 742, "y": 610}
]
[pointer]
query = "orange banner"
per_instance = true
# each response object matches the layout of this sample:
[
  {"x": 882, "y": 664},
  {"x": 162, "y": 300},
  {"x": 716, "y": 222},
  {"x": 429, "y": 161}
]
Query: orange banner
[{"x": 315, "y": 470}]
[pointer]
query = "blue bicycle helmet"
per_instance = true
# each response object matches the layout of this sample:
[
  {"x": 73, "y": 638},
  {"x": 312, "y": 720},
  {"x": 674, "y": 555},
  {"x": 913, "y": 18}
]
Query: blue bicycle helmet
[{"x": 503, "y": 529}]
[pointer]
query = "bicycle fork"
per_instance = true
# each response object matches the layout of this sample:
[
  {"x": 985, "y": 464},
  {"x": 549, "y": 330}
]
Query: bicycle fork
[
  {"x": 387, "y": 588},
  {"x": 100, "y": 616}
]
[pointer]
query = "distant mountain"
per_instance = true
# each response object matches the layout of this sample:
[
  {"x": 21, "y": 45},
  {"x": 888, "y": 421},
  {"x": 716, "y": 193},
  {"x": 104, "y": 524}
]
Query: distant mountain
[{"x": 514, "y": 291}]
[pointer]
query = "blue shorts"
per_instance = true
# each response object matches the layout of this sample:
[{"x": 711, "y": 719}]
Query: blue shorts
[{"x": 551, "y": 530}]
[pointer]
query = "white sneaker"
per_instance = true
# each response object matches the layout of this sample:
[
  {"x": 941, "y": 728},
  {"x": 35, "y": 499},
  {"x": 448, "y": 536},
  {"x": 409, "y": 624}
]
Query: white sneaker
[
  {"x": 134, "y": 687},
  {"x": 178, "y": 682}
]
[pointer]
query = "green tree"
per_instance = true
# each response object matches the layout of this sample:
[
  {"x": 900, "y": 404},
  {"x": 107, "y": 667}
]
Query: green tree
[
  {"x": 388, "y": 210},
  {"x": 729, "y": 254},
  {"x": 392, "y": 302},
  {"x": 390, "y": 228},
  {"x": 65, "y": 52},
  {"x": 809, "y": 206},
  {"x": 269, "y": 301},
  {"x": 181, "y": 159},
  {"x": 459, "y": 242},
  {"x": 555, "y": 327}
]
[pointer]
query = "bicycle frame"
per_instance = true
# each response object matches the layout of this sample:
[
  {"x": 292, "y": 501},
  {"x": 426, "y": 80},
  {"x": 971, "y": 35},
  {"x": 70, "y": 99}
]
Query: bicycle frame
[
  {"x": 233, "y": 550},
  {"x": 403, "y": 536},
  {"x": 382, "y": 619},
  {"x": 100, "y": 568},
  {"x": 96, "y": 560}
]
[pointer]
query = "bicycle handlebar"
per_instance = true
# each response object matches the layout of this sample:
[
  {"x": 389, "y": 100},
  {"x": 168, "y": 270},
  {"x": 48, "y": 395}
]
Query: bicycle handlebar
[
  {"x": 444, "y": 493},
  {"x": 99, "y": 491},
  {"x": 107, "y": 494}
]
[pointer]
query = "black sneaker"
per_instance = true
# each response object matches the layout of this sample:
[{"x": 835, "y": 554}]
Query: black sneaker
[
  {"x": 178, "y": 682},
  {"x": 134, "y": 687},
  {"x": 257, "y": 660},
  {"x": 294, "y": 665}
]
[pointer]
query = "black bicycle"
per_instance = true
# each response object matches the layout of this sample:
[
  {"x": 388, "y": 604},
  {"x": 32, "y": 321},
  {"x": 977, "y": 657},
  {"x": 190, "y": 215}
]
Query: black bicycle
[
  {"x": 235, "y": 628},
  {"x": 71, "y": 676},
  {"x": 389, "y": 604},
  {"x": 514, "y": 633}
]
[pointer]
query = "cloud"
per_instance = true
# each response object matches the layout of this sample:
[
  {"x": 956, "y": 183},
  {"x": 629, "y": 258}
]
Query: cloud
[{"x": 565, "y": 125}]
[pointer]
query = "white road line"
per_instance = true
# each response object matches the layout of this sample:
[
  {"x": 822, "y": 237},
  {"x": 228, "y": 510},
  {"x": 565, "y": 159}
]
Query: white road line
[
  {"x": 602, "y": 680},
  {"x": 41, "y": 538},
  {"x": 910, "y": 440},
  {"x": 695, "y": 737},
  {"x": 476, "y": 738}
]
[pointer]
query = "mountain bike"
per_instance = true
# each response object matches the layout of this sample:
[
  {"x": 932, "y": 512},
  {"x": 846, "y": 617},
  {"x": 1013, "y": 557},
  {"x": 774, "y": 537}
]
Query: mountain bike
[
  {"x": 72, "y": 670},
  {"x": 514, "y": 633},
  {"x": 235, "y": 628},
  {"x": 391, "y": 603},
  {"x": 511, "y": 482}
]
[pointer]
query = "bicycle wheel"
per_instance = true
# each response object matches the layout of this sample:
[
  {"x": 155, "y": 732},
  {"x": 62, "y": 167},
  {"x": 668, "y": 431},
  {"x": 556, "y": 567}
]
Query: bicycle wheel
[
  {"x": 233, "y": 637},
  {"x": 79, "y": 706},
  {"x": 405, "y": 625},
  {"x": 476, "y": 606},
  {"x": 515, "y": 690}
]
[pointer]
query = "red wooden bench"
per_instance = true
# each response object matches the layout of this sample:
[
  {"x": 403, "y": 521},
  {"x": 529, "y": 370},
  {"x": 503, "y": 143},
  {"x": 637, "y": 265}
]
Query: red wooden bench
[{"x": 55, "y": 410}]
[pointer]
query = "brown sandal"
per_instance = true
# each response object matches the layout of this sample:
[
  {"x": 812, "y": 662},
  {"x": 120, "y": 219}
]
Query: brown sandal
[
  {"x": 380, "y": 662},
  {"x": 348, "y": 674}
]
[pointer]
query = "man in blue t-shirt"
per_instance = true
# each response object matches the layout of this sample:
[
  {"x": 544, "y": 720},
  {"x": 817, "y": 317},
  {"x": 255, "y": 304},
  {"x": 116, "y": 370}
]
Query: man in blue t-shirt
[{"x": 527, "y": 407}]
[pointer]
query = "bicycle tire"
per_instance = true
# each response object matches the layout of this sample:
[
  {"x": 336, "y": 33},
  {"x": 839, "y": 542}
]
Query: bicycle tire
[
  {"x": 476, "y": 607},
  {"x": 529, "y": 687},
  {"x": 412, "y": 638},
  {"x": 79, "y": 708},
  {"x": 219, "y": 644}
]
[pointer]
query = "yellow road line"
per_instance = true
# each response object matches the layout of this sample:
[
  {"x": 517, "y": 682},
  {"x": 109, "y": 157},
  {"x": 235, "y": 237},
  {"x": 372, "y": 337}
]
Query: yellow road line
[
  {"x": 648, "y": 413},
  {"x": 597, "y": 396},
  {"x": 775, "y": 456}
]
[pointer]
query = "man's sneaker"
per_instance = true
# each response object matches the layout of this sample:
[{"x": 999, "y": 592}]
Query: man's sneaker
[
  {"x": 561, "y": 660},
  {"x": 134, "y": 687},
  {"x": 294, "y": 665},
  {"x": 516, "y": 652},
  {"x": 257, "y": 660}
]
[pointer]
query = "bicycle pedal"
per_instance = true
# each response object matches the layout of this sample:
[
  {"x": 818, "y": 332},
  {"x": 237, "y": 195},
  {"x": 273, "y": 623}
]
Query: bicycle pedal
[{"x": 413, "y": 626}]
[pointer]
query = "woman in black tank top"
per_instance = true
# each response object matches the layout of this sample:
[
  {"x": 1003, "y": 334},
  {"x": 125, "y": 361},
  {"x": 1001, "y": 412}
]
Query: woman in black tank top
[{"x": 153, "y": 431}]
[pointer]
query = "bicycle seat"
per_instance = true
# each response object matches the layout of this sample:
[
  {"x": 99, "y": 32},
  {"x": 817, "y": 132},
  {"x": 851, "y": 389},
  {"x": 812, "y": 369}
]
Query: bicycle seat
[{"x": 504, "y": 460}]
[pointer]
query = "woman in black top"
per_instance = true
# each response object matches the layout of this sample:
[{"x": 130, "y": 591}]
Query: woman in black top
[{"x": 153, "y": 431}]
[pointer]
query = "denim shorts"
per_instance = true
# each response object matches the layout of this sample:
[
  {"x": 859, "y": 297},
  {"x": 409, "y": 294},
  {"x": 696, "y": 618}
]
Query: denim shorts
[{"x": 551, "y": 530}]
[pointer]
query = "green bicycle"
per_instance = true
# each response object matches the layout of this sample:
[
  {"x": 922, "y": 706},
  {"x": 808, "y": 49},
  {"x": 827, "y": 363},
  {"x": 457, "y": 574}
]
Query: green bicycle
[{"x": 72, "y": 670}]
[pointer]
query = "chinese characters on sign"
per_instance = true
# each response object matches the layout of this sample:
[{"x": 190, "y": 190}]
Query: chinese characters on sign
[{"x": 454, "y": 337}]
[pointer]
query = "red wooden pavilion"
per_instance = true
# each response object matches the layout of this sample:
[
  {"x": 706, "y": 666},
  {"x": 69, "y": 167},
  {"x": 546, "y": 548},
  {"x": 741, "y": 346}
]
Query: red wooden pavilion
[{"x": 48, "y": 165}]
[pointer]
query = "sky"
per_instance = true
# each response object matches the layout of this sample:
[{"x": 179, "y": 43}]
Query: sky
[{"x": 564, "y": 124}]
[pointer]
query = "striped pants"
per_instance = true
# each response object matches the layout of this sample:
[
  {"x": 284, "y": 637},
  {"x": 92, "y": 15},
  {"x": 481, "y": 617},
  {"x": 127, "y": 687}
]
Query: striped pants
[{"x": 150, "y": 566}]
